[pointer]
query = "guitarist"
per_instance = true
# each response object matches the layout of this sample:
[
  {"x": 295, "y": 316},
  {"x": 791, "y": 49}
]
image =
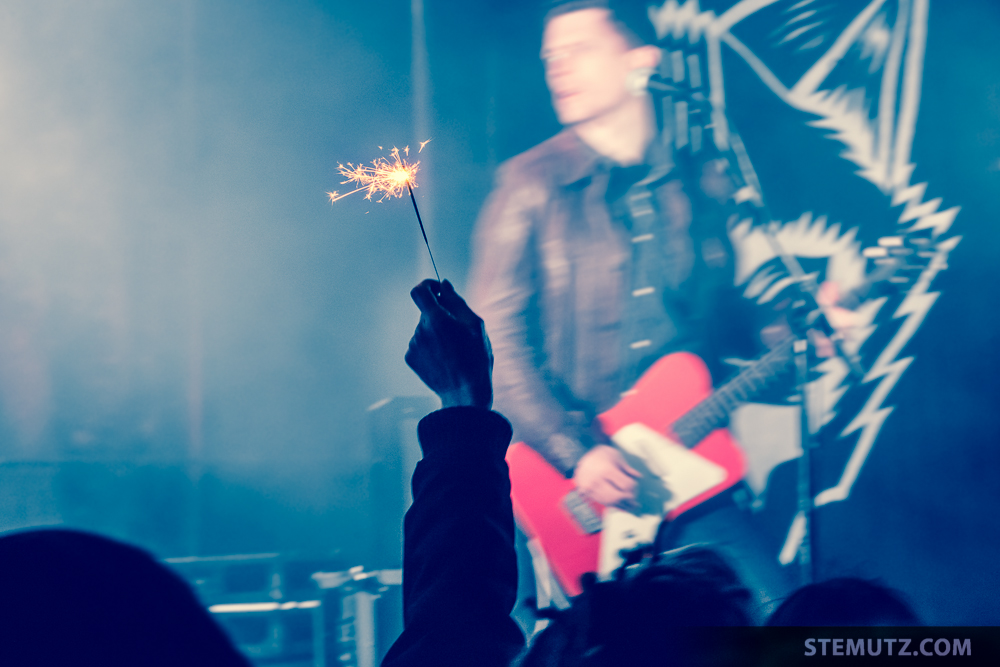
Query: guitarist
[{"x": 598, "y": 252}]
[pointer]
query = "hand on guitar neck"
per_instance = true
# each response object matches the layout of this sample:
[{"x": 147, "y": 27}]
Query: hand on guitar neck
[{"x": 841, "y": 319}]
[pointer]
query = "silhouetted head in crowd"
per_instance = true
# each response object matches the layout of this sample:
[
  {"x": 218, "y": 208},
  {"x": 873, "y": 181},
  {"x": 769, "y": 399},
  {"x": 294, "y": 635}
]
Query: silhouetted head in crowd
[
  {"x": 844, "y": 602},
  {"x": 649, "y": 611},
  {"x": 71, "y": 598}
]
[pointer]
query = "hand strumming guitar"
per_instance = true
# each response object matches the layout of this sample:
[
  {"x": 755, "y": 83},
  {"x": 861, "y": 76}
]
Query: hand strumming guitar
[
  {"x": 602, "y": 475},
  {"x": 450, "y": 350}
]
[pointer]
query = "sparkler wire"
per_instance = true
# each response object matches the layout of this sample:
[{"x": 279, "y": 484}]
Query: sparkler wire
[
  {"x": 421, "y": 223},
  {"x": 388, "y": 179}
]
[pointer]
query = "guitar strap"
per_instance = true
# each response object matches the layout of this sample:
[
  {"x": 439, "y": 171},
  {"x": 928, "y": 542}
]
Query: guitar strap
[{"x": 661, "y": 259}]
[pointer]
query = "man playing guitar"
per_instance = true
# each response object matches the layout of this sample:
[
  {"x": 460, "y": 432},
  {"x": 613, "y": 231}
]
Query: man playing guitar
[{"x": 599, "y": 252}]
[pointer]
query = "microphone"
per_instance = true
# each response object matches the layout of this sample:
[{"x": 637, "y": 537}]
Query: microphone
[
  {"x": 637, "y": 80},
  {"x": 645, "y": 80},
  {"x": 659, "y": 86}
]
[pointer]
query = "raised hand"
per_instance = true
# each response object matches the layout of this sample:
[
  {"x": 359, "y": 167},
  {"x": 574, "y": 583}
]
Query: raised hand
[{"x": 450, "y": 350}]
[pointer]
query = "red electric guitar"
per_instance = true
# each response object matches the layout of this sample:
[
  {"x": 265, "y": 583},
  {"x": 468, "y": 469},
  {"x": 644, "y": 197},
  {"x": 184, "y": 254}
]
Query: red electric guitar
[{"x": 668, "y": 427}]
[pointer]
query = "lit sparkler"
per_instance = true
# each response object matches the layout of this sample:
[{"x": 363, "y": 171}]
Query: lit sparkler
[{"x": 386, "y": 178}]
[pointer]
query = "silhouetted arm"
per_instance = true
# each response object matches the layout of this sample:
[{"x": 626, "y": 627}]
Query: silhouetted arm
[{"x": 459, "y": 565}]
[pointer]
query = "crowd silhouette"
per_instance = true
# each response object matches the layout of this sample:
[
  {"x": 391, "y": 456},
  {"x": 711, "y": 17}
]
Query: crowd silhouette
[{"x": 74, "y": 598}]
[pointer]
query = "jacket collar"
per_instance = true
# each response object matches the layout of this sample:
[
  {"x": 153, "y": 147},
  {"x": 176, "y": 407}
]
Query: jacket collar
[{"x": 580, "y": 161}]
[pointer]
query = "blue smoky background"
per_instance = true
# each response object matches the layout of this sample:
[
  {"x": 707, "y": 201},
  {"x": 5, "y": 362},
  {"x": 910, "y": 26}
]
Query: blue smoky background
[{"x": 192, "y": 337}]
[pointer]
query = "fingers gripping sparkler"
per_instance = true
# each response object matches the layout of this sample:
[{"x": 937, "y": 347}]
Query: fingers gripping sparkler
[{"x": 386, "y": 178}]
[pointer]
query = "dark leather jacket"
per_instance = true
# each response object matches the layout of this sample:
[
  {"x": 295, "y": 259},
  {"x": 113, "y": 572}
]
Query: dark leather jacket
[{"x": 551, "y": 274}]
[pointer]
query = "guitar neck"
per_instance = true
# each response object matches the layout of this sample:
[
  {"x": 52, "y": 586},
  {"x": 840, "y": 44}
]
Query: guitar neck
[{"x": 712, "y": 412}]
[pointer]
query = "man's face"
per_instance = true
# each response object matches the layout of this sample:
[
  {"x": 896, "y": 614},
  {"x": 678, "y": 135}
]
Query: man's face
[{"x": 586, "y": 64}]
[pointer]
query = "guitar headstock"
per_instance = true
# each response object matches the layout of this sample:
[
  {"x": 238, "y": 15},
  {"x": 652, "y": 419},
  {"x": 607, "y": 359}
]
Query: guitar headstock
[{"x": 897, "y": 262}]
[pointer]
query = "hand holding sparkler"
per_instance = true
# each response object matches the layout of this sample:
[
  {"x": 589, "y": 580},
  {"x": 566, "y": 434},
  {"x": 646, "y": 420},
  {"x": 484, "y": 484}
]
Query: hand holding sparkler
[
  {"x": 387, "y": 178},
  {"x": 450, "y": 350}
]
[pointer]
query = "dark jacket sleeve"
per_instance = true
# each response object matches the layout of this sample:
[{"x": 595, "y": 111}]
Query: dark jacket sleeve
[
  {"x": 505, "y": 288},
  {"x": 459, "y": 566}
]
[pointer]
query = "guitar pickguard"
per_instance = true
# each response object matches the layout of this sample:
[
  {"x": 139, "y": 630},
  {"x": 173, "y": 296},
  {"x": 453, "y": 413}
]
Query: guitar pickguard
[
  {"x": 677, "y": 473},
  {"x": 672, "y": 475},
  {"x": 641, "y": 421}
]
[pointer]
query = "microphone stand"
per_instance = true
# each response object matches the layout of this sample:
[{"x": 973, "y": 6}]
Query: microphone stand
[{"x": 805, "y": 313}]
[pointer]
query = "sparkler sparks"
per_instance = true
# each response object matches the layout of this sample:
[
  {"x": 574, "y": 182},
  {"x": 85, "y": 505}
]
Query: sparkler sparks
[
  {"x": 384, "y": 178},
  {"x": 388, "y": 178}
]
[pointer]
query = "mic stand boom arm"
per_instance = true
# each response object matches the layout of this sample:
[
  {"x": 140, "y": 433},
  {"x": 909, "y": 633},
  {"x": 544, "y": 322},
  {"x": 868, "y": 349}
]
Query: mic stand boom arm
[{"x": 806, "y": 311}]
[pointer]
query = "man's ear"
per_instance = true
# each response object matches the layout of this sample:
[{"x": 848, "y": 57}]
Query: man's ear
[{"x": 645, "y": 56}]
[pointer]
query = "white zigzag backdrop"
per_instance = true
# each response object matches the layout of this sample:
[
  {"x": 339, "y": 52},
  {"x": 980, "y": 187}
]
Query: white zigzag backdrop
[{"x": 891, "y": 37}]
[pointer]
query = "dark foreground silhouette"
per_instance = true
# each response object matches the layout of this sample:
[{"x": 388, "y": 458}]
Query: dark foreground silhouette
[{"x": 72, "y": 598}]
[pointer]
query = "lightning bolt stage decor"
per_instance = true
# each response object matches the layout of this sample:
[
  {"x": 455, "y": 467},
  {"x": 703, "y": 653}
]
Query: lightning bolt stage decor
[{"x": 890, "y": 37}]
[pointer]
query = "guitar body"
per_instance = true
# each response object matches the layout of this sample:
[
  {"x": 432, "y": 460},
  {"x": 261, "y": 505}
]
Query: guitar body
[{"x": 668, "y": 390}]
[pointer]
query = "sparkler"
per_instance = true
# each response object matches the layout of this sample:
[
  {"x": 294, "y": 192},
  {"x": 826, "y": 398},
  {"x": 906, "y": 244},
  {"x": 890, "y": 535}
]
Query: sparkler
[{"x": 386, "y": 178}]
